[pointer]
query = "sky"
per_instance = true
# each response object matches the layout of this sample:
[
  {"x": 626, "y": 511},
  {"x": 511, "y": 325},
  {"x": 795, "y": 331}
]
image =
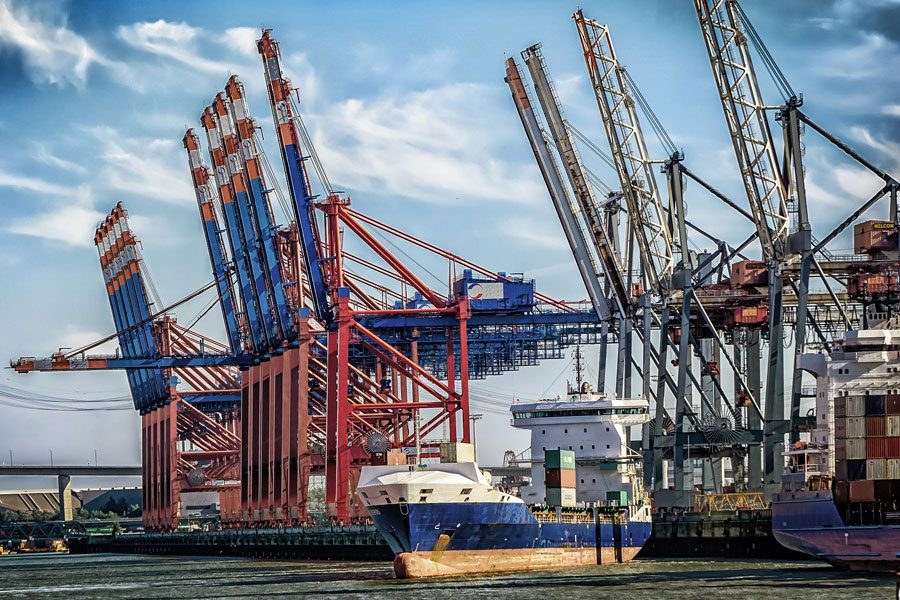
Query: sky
[{"x": 410, "y": 116}]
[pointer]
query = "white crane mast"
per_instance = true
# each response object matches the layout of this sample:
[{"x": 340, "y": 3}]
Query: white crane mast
[
  {"x": 629, "y": 153},
  {"x": 729, "y": 56}
]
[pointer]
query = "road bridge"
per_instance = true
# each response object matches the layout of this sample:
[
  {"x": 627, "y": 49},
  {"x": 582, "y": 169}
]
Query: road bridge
[{"x": 64, "y": 474}]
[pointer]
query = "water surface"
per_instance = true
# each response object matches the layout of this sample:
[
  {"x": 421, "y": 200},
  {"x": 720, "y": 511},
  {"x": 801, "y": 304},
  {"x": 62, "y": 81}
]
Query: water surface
[{"x": 141, "y": 576}]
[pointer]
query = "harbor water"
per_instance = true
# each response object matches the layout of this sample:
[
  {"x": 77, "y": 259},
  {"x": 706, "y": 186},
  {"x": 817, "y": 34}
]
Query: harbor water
[{"x": 141, "y": 576}]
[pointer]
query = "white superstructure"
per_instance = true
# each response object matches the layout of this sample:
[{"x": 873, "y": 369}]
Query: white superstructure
[
  {"x": 868, "y": 362},
  {"x": 423, "y": 484},
  {"x": 593, "y": 426}
]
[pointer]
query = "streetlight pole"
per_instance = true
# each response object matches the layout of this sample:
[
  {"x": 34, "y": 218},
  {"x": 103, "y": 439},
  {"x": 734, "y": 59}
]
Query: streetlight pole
[{"x": 474, "y": 418}]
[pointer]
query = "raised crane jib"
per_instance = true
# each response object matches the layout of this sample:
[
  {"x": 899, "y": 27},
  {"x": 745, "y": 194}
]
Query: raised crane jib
[
  {"x": 729, "y": 56},
  {"x": 629, "y": 153}
]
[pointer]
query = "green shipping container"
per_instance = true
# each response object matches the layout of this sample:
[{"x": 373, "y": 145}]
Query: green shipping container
[
  {"x": 617, "y": 498},
  {"x": 564, "y": 497},
  {"x": 559, "y": 459}
]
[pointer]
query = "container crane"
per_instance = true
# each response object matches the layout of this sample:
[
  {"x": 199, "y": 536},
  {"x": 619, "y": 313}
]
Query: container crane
[{"x": 629, "y": 153}]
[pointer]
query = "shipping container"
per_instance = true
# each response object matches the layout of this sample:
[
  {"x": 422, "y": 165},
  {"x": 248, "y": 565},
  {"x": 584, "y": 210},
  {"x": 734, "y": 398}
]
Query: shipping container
[
  {"x": 856, "y": 406},
  {"x": 892, "y": 447},
  {"x": 892, "y": 468},
  {"x": 391, "y": 457},
  {"x": 841, "y": 491},
  {"x": 875, "y": 426},
  {"x": 559, "y": 478},
  {"x": 892, "y": 426},
  {"x": 840, "y": 469},
  {"x": 617, "y": 498},
  {"x": 840, "y": 449},
  {"x": 875, "y": 405},
  {"x": 840, "y": 407},
  {"x": 885, "y": 488},
  {"x": 856, "y": 449},
  {"x": 457, "y": 452},
  {"x": 862, "y": 491},
  {"x": 850, "y": 427},
  {"x": 876, "y": 448},
  {"x": 874, "y": 236},
  {"x": 560, "y": 497},
  {"x": 856, "y": 469},
  {"x": 559, "y": 459},
  {"x": 876, "y": 468},
  {"x": 749, "y": 272},
  {"x": 892, "y": 404}
]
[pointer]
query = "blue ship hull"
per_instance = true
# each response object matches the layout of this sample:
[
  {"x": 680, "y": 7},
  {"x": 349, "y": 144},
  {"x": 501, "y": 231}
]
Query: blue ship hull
[{"x": 463, "y": 537}]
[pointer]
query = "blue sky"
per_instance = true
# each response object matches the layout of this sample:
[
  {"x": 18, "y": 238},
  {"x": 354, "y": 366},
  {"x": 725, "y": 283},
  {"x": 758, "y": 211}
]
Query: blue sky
[{"x": 410, "y": 115}]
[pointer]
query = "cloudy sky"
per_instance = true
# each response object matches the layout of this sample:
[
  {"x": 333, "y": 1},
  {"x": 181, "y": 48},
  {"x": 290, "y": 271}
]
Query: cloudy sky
[{"x": 410, "y": 116}]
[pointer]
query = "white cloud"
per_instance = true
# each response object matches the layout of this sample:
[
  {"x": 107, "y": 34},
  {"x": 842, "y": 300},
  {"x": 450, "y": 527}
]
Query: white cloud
[
  {"x": 177, "y": 41},
  {"x": 536, "y": 234},
  {"x": 145, "y": 167},
  {"x": 71, "y": 224},
  {"x": 888, "y": 147},
  {"x": 52, "y": 53},
  {"x": 892, "y": 110},
  {"x": 857, "y": 182},
  {"x": 439, "y": 145},
  {"x": 873, "y": 57},
  {"x": 32, "y": 184},
  {"x": 242, "y": 40},
  {"x": 42, "y": 155}
]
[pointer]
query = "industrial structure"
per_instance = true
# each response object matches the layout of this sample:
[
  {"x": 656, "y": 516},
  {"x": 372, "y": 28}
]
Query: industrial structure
[
  {"x": 701, "y": 313},
  {"x": 334, "y": 360}
]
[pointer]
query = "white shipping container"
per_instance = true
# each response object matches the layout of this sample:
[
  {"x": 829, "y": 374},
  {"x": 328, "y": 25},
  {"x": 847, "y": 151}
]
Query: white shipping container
[
  {"x": 856, "y": 406},
  {"x": 561, "y": 497},
  {"x": 850, "y": 427},
  {"x": 892, "y": 468},
  {"x": 892, "y": 428},
  {"x": 856, "y": 449},
  {"x": 457, "y": 452},
  {"x": 876, "y": 468}
]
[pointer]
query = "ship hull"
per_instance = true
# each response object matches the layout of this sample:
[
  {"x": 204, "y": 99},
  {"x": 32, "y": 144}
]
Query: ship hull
[
  {"x": 433, "y": 540},
  {"x": 411, "y": 565},
  {"x": 814, "y": 527}
]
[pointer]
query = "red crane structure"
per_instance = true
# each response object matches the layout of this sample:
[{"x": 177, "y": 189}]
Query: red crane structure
[{"x": 326, "y": 368}]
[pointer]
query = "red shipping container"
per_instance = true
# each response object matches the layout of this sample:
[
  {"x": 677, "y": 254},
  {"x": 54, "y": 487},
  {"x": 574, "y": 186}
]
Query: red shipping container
[
  {"x": 561, "y": 478},
  {"x": 892, "y": 404},
  {"x": 892, "y": 447},
  {"x": 862, "y": 491},
  {"x": 875, "y": 426},
  {"x": 876, "y": 447}
]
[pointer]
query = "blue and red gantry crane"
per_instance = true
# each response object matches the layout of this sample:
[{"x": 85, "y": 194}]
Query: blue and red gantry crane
[{"x": 326, "y": 367}]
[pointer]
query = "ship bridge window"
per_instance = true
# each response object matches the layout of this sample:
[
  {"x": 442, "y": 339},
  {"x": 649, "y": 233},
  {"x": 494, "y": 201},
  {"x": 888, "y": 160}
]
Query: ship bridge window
[
  {"x": 586, "y": 412},
  {"x": 383, "y": 492},
  {"x": 364, "y": 495},
  {"x": 426, "y": 491},
  {"x": 465, "y": 491}
]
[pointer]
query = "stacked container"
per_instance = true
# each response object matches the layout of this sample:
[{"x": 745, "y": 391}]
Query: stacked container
[
  {"x": 867, "y": 445},
  {"x": 559, "y": 477}
]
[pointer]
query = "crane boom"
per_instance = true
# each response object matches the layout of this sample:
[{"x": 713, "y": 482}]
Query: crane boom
[
  {"x": 729, "y": 56},
  {"x": 295, "y": 173},
  {"x": 629, "y": 152},
  {"x": 558, "y": 193},
  {"x": 603, "y": 246},
  {"x": 215, "y": 245}
]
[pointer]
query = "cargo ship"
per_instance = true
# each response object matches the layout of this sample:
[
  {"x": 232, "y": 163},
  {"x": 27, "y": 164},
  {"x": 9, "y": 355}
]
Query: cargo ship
[
  {"x": 447, "y": 519},
  {"x": 840, "y": 495}
]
